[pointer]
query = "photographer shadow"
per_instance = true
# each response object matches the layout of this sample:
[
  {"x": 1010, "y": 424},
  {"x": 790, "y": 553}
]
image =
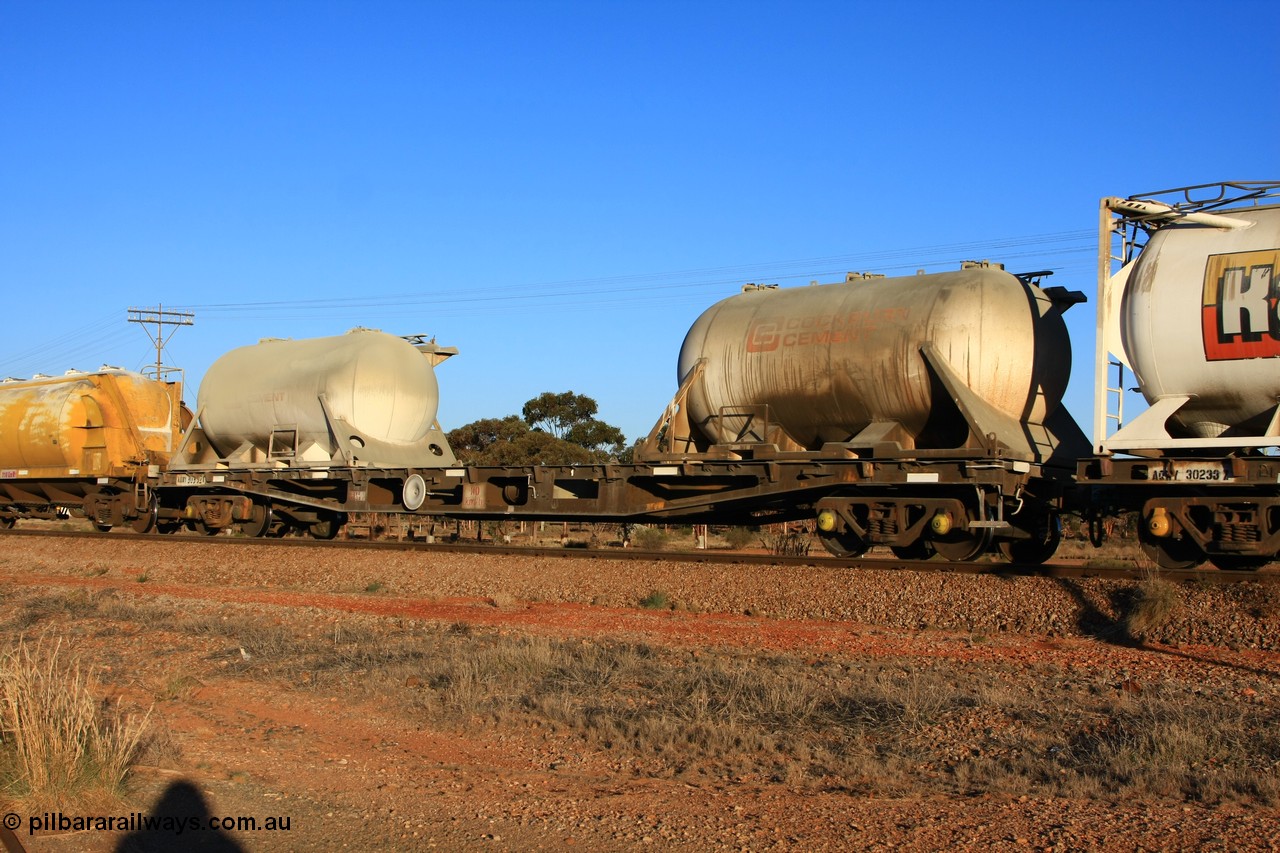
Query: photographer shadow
[{"x": 168, "y": 827}]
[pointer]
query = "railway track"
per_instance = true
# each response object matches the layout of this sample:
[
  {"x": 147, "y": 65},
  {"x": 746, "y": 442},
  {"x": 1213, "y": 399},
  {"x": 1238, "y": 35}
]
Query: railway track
[{"x": 1270, "y": 574}]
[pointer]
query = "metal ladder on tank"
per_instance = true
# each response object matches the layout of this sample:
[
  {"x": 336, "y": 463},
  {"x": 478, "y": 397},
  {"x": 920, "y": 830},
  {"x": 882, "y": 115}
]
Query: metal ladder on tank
[{"x": 1118, "y": 398}]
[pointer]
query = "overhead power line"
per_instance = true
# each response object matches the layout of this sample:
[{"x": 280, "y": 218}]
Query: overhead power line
[
  {"x": 636, "y": 290},
  {"x": 910, "y": 258},
  {"x": 159, "y": 318}
]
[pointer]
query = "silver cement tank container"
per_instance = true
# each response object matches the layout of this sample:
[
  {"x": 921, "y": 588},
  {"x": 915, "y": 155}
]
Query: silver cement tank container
[
  {"x": 829, "y": 361},
  {"x": 1199, "y": 320},
  {"x": 367, "y": 394}
]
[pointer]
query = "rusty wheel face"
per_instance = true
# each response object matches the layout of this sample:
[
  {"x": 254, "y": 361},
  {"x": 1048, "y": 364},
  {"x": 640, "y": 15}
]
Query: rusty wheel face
[
  {"x": 146, "y": 522},
  {"x": 259, "y": 523},
  {"x": 917, "y": 550},
  {"x": 325, "y": 528},
  {"x": 1044, "y": 541},
  {"x": 961, "y": 545},
  {"x": 844, "y": 543},
  {"x": 1170, "y": 552}
]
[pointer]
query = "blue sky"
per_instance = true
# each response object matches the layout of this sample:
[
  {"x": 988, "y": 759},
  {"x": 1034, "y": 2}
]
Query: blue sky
[{"x": 558, "y": 189}]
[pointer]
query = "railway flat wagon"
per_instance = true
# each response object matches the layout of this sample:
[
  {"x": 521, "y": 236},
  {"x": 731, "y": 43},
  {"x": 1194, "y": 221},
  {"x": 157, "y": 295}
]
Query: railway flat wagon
[
  {"x": 919, "y": 413},
  {"x": 1188, "y": 295},
  {"x": 295, "y": 434}
]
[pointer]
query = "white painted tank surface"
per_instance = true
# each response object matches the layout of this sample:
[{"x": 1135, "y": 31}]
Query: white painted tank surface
[
  {"x": 377, "y": 384},
  {"x": 828, "y": 360},
  {"x": 1199, "y": 318}
]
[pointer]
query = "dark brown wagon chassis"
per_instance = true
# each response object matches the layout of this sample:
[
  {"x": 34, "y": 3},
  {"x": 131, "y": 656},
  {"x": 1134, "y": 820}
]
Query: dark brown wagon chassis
[
  {"x": 1229, "y": 511},
  {"x": 883, "y": 501}
]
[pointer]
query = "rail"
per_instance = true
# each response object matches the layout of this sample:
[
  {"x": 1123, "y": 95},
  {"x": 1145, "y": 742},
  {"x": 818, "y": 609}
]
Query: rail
[{"x": 1135, "y": 569}]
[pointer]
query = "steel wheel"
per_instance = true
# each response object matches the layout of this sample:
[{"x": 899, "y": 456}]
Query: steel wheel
[
  {"x": 844, "y": 544},
  {"x": 960, "y": 542},
  {"x": 961, "y": 545},
  {"x": 1040, "y": 547},
  {"x": 325, "y": 528},
  {"x": 920, "y": 549},
  {"x": 1170, "y": 552},
  {"x": 146, "y": 522},
  {"x": 259, "y": 522}
]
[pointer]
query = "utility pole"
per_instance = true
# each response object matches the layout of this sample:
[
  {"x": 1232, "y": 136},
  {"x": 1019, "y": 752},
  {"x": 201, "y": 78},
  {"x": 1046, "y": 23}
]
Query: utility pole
[{"x": 159, "y": 318}]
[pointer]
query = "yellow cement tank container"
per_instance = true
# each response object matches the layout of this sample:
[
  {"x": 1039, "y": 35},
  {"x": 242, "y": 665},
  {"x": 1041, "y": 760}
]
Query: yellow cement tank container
[{"x": 87, "y": 424}]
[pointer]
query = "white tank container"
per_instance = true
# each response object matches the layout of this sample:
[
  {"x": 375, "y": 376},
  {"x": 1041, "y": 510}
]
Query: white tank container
[
  {"x": 380, "y": 393},
  {"x": 829, "y": 360},
  {"x": 1199, "y": 319}
]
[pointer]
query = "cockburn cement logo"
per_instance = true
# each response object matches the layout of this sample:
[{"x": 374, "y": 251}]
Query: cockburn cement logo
[
  {"x": 1240, "y": 315},
  {"x": 819, "y": 329}
]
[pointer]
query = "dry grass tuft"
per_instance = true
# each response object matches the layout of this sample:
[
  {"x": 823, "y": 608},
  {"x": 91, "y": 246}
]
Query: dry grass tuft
[
  {"x": 60, "y": 746},
  {"x": 1155, "y": 602},
  {"x": 891, "y": 727},
  {"x": 740, "y": 537},
  {"x": 656, "y": 600},
  {"x": 650, "y": 538}
]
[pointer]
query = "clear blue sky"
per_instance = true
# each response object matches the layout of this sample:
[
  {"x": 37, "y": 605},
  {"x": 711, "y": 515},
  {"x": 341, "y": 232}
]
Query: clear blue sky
[{"x": 560, "y": 188}]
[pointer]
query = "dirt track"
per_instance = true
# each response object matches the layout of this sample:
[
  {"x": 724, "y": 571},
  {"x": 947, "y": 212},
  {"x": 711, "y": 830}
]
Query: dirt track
[{"x": 355, "y": 772}]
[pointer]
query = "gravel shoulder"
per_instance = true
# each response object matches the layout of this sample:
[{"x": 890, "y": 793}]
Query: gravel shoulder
[{"x": 358, "y": 773}]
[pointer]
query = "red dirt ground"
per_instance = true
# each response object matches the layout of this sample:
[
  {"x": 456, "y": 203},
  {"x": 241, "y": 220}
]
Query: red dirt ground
[{"x": 361, "y": 775}]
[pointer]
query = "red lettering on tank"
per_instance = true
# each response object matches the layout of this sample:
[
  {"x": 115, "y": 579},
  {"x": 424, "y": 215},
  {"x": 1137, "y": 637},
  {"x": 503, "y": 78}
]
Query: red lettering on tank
[
  {"x": 762, "y": 337},
  {"x": 819, "y": 329}
]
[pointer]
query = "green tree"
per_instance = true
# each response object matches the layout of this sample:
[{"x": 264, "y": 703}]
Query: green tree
[
  {"x": 596, "y": 435},
  {"x": 539, "y": 448},
  {"x": 557, "y": 429},
  {"x": 571, "y": 417},
  {"x": 481, "y": 440},
  {"x": 558, "y": 414}
]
